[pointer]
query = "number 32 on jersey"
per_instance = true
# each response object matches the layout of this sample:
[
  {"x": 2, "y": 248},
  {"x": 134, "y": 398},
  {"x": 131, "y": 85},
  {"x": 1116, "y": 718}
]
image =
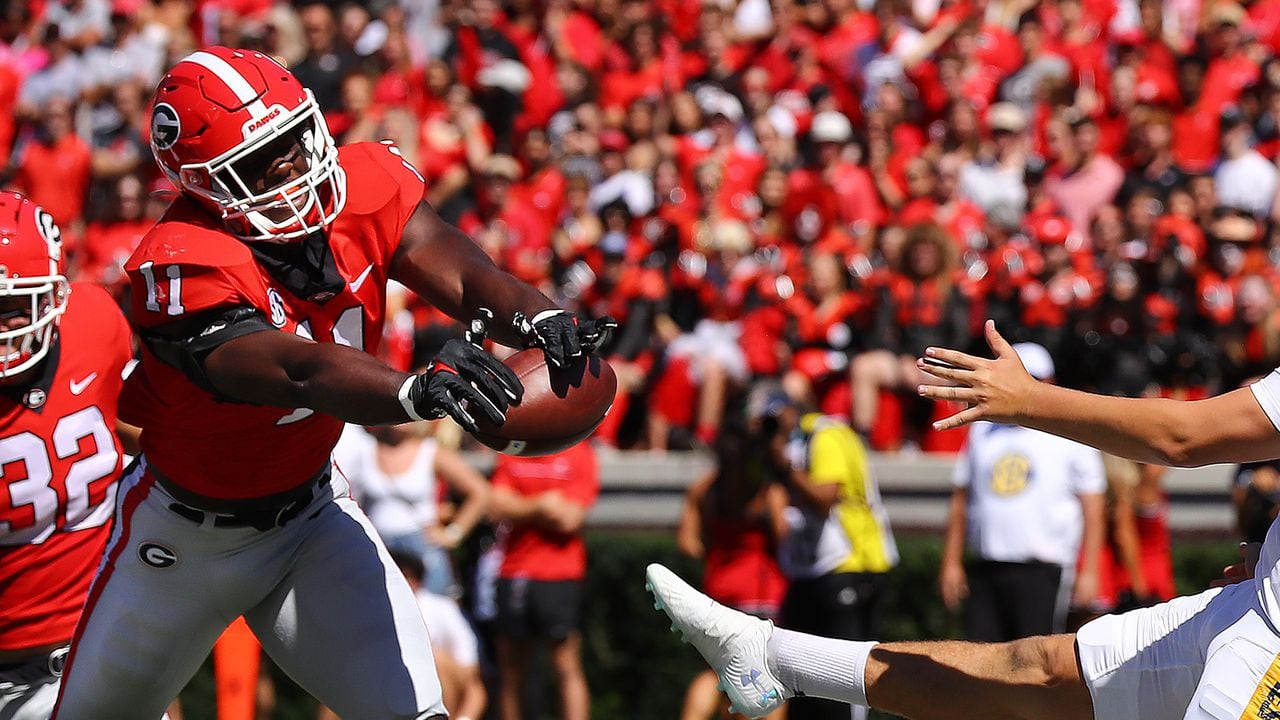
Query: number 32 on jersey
[{"x": 40, "y": 492}]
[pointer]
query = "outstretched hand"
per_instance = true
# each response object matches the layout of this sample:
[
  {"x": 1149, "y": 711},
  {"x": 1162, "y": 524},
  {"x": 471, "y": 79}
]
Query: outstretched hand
[{"x": 994, "y": 390}]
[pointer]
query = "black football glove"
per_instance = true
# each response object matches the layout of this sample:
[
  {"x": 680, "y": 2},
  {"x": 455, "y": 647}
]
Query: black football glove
[
  {"x": 563, "y": 335},
  {"x": 463, "y": 380}
]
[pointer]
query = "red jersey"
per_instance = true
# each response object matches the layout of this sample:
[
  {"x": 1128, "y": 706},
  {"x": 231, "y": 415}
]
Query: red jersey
[
  {"x": 59, "y": 465},
  {"x": 188, "y": 265},
  {"x": 530, "y": 551}
]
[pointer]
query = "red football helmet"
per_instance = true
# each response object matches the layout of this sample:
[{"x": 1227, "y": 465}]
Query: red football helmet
[
  {"x": 222, "y": 119},
  {"x": 31, "y": 282}
]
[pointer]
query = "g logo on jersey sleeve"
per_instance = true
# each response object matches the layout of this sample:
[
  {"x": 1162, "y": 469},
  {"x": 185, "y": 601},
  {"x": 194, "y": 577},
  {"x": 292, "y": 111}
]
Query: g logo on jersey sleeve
[{"x": 157, "y": 555}]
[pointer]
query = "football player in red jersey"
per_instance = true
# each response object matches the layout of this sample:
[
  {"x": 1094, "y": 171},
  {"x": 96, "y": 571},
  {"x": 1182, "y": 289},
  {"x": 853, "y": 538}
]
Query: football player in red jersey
[
  {"x": 259, "y": 297},
  {"x": 63, "y": 348}
]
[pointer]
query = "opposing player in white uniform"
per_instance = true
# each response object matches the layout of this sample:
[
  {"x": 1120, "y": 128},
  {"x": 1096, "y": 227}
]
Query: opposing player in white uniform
[
  {"x": 62, "y": 350},
  {"x": 1211, "y": 656}
]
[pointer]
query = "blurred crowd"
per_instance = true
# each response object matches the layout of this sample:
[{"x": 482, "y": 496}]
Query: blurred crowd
[{"x": 809, "y": 190}]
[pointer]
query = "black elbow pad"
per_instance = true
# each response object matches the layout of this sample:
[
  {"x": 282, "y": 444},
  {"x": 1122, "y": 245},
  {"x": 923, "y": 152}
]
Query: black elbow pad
[{"x": 187, "y": 351}]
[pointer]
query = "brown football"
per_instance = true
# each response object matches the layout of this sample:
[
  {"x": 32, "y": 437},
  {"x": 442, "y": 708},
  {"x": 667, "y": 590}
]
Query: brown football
[{"x": 560, "y": 407}]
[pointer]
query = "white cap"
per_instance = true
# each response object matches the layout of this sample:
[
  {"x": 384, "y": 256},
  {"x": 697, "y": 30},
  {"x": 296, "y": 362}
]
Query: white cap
[
  {"x": 831, "y": 126},
  {"x": 1035, "y": 359},
  {"x": 783, "y": 122},
  {"x": 715, "y": 101}
]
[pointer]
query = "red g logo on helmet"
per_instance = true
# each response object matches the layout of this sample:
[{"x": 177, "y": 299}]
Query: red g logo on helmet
[
  {"x": 165, "y": 126},
  {"x": 223, "y": 120}
]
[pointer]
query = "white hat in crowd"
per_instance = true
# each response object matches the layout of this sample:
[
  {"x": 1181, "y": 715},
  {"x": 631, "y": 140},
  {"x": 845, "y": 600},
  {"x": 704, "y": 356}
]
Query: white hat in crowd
[{"x": 831, "y": 126}]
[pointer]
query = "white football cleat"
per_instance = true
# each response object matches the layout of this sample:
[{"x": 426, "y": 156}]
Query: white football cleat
[{"x": 733, "y": 643}]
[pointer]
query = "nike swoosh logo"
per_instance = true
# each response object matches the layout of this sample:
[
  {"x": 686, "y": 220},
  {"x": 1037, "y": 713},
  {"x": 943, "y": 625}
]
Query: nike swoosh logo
[
  {"x": 355, "y": 284},
  {"x": 78, "y": 387}
]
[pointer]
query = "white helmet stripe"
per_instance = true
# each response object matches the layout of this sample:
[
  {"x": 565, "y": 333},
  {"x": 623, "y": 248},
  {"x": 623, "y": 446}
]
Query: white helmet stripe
[{"x": 232, "y": 78}]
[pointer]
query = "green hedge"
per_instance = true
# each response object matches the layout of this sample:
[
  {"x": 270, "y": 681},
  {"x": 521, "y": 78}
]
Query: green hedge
[{"x": 638, "y": 669}]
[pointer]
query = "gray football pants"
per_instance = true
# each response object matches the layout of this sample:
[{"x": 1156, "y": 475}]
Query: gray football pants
[{"x": 321, "y": 594}]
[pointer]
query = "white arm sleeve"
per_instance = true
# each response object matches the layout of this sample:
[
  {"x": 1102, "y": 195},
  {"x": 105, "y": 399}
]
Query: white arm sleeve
[{"x": 1267, "y": 392}]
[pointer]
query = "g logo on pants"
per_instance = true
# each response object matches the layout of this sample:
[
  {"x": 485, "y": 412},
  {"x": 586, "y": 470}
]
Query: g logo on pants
[{"x": 157, "y": 555}]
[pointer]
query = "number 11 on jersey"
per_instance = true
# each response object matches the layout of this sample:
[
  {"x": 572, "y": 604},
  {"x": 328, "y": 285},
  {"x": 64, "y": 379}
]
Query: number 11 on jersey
[{"x": 173, "y": 292}]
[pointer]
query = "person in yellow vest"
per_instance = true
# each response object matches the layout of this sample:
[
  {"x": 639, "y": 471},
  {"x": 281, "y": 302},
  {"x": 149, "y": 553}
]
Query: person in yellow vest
[{"x": 839, "y": 548}]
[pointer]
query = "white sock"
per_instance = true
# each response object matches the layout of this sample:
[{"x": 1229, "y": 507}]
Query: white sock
[{"x": 820, "y": 667}]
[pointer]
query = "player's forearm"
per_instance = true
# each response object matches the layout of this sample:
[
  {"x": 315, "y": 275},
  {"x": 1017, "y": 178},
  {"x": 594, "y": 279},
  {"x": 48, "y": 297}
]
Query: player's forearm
[
  {"x": 346, "y": 383},
  {"x": 1152, "y": 430},
  {"x": 440, "y": 263},
  {"x": 491, "y": 287}
]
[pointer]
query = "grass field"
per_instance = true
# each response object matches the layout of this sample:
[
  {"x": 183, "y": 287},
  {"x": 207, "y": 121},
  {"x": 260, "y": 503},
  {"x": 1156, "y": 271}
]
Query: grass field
[{"x": 638, "y": 670}]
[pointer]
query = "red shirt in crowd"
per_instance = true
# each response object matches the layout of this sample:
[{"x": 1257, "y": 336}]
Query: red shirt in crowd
[
  {"x": 56, "y": 177},
  {"x": 530, "y": 551}
]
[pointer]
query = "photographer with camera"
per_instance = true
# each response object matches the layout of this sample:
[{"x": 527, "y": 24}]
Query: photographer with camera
[{"x": 838, "y": 547}]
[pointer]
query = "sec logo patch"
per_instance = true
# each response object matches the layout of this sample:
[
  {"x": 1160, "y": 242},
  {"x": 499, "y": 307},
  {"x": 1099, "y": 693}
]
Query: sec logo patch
[{"x": 277, "y": 307}]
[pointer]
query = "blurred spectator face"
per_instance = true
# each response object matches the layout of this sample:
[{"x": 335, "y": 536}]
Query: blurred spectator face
[
  {"x": 890, "y": 99},
  {"x": 826, "y": 275},
  {"x": 924, "y": 254},
  {"x": 723, "y": 127},
  {"x": 1157, "y": 133},
  {"x": 1190, "y": 78},
  {"x": 537, "y": 150},
  {"x": 1124, "y": 89},
  {"x": 642, "y": 157},
  {"x": 228, "y": 27},
  {"x": 1086, "y": 139},
  {"x": 686, "y": 113},
  {"x": 56, "y": 120},
  {"x": 666, "y": 182},
  {"x": 395, "y": 49},
  {"x": 644, "y": 44},
  {"x": 707, "y": 176},
  {"x": 319, "y": 28},
  {"x": 1204, "y": 194},
  {"x": 1151, "y": 16},
  {"x": 573, "y": 80},
  {"x": 1181, "y": 204},
  {"x": 962, "y": 120},
  {"x": 1255, "y": 299},
  {"x": 948, "y": 176},
  {"x": 130, "y": 99},
  {"x": 1108, "y": 229},
  {"x": 921, "y": 181},
  {"x": 357, "y": 94},
  {"x": 1059, "y": 142},
  {"x": 612, "y": 162},
  {"x": 1030, "y": 37},
  {"x": 1122, "y": 283},
  {"x": 773, "y": 188},
  {"x": 640, "y": 120},
  {"x": 1143, "y": 210},
  {"x": 439, "y": 78},
  {"x": 354, "y": 20},
  {"x": 131, "y": 198},
  {"x": 577, "y": 195}
]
